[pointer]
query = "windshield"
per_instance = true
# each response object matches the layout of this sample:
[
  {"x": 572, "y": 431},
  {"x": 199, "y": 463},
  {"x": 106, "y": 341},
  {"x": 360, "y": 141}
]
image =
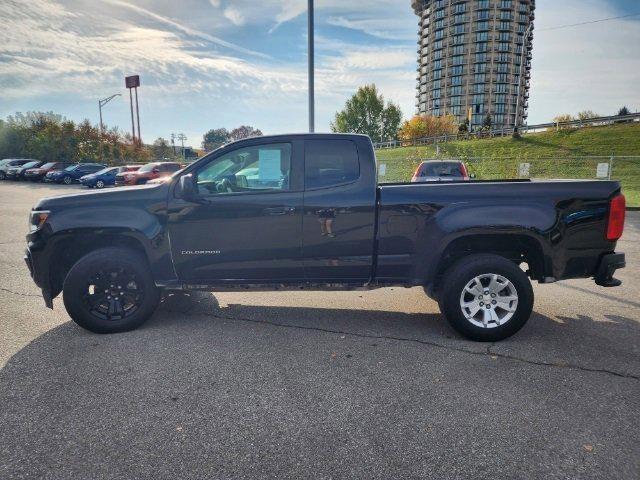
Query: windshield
[
  {"x": 148, "y": 167},
  {"x": 106, "y": 170},
  {"x": 48, "y": 165},
  {"x": 30, "y": 164},
  {"x": 441, "y": 169}
]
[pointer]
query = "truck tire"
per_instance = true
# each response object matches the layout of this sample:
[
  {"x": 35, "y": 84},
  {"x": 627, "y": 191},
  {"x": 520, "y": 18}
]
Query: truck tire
[
  {"x": 486, "y": 297},
  {"x": 110, "y": 290}
]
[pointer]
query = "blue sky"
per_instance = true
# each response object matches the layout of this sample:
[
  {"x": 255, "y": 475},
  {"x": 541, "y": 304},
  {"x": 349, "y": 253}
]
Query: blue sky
[{"x": 212, "y": 63}]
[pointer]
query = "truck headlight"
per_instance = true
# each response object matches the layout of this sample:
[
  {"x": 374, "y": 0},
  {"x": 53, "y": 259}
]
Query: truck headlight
[{"x": 37, "y": 219}]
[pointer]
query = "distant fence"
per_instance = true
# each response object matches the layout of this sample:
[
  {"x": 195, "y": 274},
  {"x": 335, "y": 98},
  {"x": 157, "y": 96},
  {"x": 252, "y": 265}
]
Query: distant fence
[
  {"x": 508, "y": 131},
  {"x": 625, "y": 169}
]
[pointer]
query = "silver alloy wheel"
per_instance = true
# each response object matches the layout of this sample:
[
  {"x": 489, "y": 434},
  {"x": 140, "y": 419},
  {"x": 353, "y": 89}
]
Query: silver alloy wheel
[
  {"x": 99, "y": 184},
  {"x": 67, "y": 180},
  {"x": 489, "y": 300}
]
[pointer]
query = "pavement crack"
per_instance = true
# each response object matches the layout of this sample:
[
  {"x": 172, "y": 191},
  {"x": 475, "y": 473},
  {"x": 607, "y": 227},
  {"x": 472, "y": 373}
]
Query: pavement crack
[
  {"x": 571, "y": 366},
  {"x": 484, "y": 353},
  {"x": 20, "y": 293}
]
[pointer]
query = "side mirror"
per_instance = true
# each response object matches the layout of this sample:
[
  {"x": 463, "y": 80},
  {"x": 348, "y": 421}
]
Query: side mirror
[{"x": 186, "y": 188}]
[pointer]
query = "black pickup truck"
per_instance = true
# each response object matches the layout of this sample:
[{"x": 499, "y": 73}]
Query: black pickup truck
[{"x": 306, "y": 212}]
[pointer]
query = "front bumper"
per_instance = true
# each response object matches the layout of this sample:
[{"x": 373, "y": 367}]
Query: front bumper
[
  {"x": 39, "y": 275},
  {"x": 608, "y": 265}
]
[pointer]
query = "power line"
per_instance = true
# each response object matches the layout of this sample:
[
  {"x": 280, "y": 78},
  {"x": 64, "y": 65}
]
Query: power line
[{"x": 589, "y": 22}]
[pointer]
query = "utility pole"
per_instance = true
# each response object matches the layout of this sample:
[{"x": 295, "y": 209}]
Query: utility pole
[
  {"x": 102, "y": 103},
  {"x": 527, "y": 33},
  {"x": 311, "y": 67},
  {"x": 173, "y": 143},
  {"x": 182, "y": 137}
]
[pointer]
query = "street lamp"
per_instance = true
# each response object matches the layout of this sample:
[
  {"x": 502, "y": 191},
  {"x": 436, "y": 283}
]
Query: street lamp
[
  {"x": 311, "y": 68},
  {"x": 527, "y": 33},
  {"x": 102, "y": 103}
]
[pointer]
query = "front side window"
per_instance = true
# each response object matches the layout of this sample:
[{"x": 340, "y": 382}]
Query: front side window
[
  {"x": 260, "y": 168},
  {"x": 330, "y": 162}
]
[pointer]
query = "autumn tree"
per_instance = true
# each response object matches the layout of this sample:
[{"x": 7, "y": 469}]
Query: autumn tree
[
  {"x": 366, "y": 112},
  {"x": 423, "y": 126},
  {"x": 587, "y": 115}
]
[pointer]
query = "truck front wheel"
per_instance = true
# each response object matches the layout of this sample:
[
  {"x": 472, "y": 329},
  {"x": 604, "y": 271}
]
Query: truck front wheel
[
  {"x": 486, "y": 297},
  {"x": 110, "y": 290}
]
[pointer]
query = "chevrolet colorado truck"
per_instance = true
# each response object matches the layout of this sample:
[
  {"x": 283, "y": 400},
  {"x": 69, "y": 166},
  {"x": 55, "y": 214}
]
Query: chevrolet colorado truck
[{"x": 306, "y": 212}]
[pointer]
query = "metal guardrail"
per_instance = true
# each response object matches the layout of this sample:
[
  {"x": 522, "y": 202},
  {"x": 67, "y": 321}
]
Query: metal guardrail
[{"x": 508, "y": 131}]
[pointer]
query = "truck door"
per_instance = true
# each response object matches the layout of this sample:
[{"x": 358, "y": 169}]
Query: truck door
[
  {"x": 246, "y": 221},
  {"x": 339, "y": 210}
]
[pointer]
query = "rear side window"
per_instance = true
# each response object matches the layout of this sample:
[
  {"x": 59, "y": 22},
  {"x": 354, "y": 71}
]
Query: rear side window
[{"x": 330, "y": 162}]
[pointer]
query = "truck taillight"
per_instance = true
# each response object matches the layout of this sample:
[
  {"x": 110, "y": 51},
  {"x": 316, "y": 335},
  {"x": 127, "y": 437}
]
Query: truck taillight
[{"x": 617, "y": 211}]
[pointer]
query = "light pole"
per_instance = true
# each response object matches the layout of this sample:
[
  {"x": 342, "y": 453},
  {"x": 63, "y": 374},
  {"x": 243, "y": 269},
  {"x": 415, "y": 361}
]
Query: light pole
[
  {"x": 102, "y": 103},
  {"x": 516, "y": 125},
  {"x": 311, "y": 68}
]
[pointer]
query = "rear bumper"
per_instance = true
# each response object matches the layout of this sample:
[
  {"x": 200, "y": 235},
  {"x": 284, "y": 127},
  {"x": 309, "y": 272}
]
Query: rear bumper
[{"x": 607, "y": 267}]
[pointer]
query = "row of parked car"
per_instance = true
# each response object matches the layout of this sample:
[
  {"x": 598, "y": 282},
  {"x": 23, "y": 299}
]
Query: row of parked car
[{"x": 94, "y": 175}]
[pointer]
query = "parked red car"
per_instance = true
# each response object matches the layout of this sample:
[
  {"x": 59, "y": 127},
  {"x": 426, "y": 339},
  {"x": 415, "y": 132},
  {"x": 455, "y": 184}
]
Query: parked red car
[
  {"x": 37, "y": 174},
  {"x": 147, "y": 172}
]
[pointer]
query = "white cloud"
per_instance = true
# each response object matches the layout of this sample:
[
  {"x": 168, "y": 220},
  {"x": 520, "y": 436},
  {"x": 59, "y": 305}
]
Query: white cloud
[
  {"x": 214, "y": 3},
  {"x": 187, "y": 30},
  {"x": 234, "y": 15},
  {"x": 594, "y": 67}
]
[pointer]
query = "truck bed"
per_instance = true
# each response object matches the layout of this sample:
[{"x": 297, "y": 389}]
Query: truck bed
[{"x": 565, "y": 220}]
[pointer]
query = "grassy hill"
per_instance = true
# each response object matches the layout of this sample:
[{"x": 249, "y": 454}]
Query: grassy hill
[{"x": 553, "y": 154}]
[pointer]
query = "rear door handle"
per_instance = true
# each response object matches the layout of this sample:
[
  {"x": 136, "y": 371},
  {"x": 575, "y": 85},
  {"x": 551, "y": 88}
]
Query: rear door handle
[{"x": 280, "y": 210}]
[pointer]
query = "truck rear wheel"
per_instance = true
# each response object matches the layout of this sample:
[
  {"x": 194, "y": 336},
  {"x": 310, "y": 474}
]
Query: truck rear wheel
[
  {"x": 110, "y": 290},
  {"x": 486, "y": 297}
]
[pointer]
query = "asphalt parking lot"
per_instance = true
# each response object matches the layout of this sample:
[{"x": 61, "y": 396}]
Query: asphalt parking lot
[{"x": 317, "y": 385}]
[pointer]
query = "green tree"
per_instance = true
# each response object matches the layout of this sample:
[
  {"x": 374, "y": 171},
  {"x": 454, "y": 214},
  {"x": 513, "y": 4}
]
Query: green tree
[
  {"x": 624, "y": 111},
  {"x": 366, "y": 112},
  {"x": 464, "y": 126},
  {"x": 215, "y": 138},
  {"x": 486, "y": 123},
  {"x": 161, "y": 149},
  {"x": 244, "y": 131}
]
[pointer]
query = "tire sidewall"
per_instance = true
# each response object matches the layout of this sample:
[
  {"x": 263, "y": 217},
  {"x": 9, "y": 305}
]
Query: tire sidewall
[
  {"x": 463, "y": 272},
  {"x": 75, "y": 283}
]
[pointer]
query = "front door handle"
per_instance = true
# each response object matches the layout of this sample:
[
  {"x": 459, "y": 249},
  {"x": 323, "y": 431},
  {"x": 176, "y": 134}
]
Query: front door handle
[{"x": 280, "y": 210}]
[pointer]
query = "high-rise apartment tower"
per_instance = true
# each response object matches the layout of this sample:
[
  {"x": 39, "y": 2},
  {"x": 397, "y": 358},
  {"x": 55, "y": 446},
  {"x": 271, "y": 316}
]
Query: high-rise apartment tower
[{"x": 469, "y": 59}]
